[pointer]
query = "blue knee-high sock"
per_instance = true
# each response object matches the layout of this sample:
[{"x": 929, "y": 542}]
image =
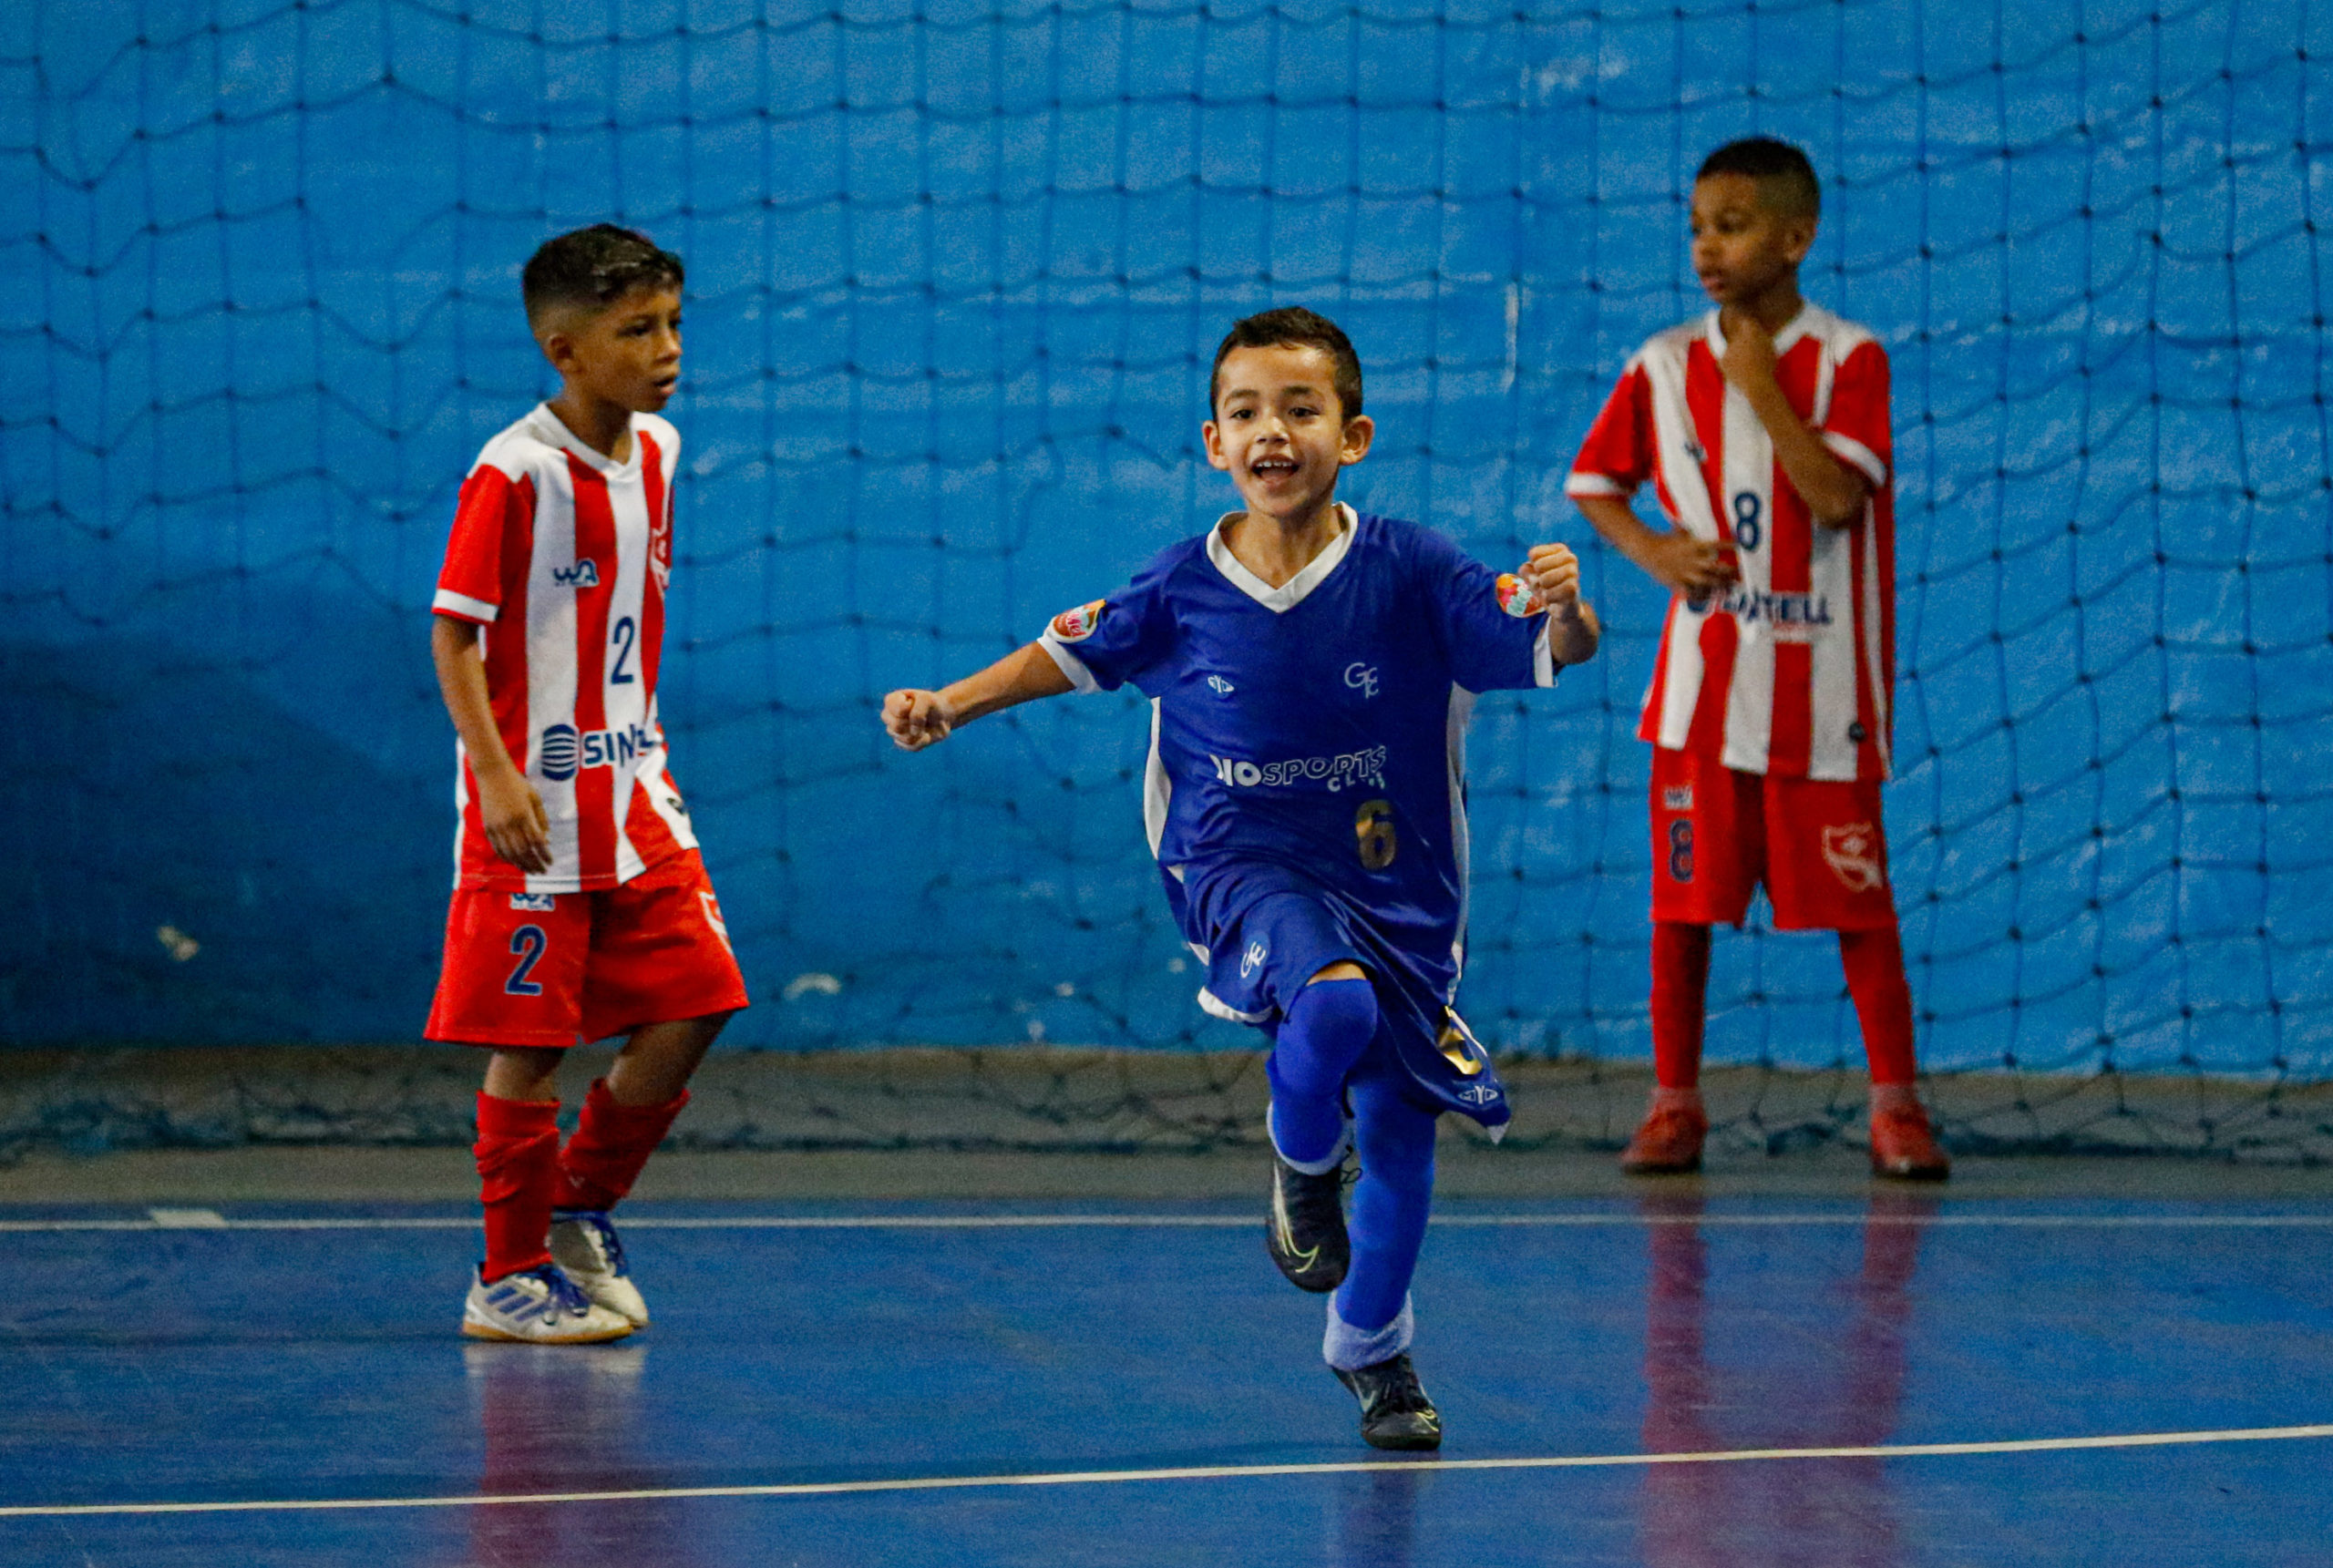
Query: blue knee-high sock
[
  {"x": 1328, "y": 1027},
  {"x": 1390, "y": 1207}
]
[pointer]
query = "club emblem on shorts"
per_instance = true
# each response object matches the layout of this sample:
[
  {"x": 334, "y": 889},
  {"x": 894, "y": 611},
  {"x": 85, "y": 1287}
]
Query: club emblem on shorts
[
  {"x": 712, "y": 917},
  {"x": 1679, "y": 797},
  {"x": 1853, "y": 851},
  {"x": 1460, "y": 1048},
  {"x": 1478, "y": 1093},
  {"x": 1219, "y": 686},
  {"x": 1518, "y": 598},
  {"x": 1077, "y": 625},
  {"x": 1253, "y": 958},
  {"x": 540, "y": 903}
]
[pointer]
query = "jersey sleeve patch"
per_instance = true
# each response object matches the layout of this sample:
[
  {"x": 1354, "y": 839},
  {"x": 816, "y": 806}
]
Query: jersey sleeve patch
[
  {"x": 1077, "y": 625},
  {"x": 1518, "y": 598}
]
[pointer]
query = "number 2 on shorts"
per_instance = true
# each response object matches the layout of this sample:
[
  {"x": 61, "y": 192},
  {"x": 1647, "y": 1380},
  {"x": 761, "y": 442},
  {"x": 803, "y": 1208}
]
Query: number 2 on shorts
[{"x": 530, "y": 944}]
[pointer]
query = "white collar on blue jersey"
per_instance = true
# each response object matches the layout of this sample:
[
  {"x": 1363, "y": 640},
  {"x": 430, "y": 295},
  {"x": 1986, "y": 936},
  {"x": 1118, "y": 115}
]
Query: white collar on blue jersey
[
  {"x": 553, "y": 431},
  {"x": 1289, "y": 594},
  {"x": 1797, "y": 327}
]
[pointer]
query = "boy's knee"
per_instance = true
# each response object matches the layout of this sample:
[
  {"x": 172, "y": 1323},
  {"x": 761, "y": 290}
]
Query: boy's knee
[{"x": 1329, "y": 1026}]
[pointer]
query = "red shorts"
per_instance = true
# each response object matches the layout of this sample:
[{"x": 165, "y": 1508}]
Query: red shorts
[
  {"x": 1817, "y": 845},
  {"x": 551, "y": 969}
]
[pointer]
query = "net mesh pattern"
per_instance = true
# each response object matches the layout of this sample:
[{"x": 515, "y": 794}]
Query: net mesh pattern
[{"x": 956, "y": 272}]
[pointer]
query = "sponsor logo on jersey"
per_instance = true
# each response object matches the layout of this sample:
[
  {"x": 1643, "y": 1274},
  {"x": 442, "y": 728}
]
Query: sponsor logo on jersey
[
  {"x": 1853, "y": 853},
  {"x": 584, "y": 573},
  {"x": 1796, "y": 616},
  {"x": 1253, "y": 959},
  {"x": 1361, "y": 678},
  {"x": 540, "y": 903},
  {"x": 1346, "y": 771},
  {"x": 1219, "y": 686},
  {"x": 1077, "y": 625},
  {"x": 1677, "y": 797},
  {"x": 565, "y": 752},
  {"x": 1518, "y": 598}
]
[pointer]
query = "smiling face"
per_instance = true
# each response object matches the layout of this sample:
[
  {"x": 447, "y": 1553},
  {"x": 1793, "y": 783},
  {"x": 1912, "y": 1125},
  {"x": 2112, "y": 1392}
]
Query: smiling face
[
  {"x": 626, "y": 354},
  {"x": 1279, "y": 429},
  {"x": 1748, "y": 238}
]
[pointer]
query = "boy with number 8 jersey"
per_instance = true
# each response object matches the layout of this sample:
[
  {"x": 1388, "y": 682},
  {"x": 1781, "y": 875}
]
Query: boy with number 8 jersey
[
  {"x": 1310, "y": 671},
  {"x": 1764, "y": 429},
  {"x": 580, "y": 906}
]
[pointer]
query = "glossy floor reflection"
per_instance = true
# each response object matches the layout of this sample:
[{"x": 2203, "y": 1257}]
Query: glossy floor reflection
[{"x": 235, "y": 1364}]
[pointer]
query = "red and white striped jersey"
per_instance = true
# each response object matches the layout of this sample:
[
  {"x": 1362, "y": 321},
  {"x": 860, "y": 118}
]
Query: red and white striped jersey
[
  {"x": 1792, "y": 672},
  {"x": 564, "y": 556}
]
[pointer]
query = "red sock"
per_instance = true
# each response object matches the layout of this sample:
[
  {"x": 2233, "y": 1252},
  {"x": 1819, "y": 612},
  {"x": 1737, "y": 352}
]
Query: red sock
[
  {"x": 612, "y": 1143},
  {"x": 1875, "y": 964},
  {"x": 1680, "y": 979},
  {"x": 518, "y": 1169}
]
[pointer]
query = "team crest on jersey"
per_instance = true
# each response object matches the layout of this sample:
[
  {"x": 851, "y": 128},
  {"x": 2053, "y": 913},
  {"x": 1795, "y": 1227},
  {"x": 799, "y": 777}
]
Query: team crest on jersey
[
  {"x": 538, "y": 903},
  {"x": 1077, "y": 625},
  {"x": 660, "y": 554},
  {"x": 584, "y": 573},
  {"x": 1518, "y": 598},
  {"x": 1853, "y": 853}
]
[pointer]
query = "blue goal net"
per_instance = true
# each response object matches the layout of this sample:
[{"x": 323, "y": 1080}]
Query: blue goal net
[{"x": 955, "y": 274}]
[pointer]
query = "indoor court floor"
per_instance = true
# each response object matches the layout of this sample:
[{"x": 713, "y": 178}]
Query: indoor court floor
[{"x": 1892, "y": 1378}]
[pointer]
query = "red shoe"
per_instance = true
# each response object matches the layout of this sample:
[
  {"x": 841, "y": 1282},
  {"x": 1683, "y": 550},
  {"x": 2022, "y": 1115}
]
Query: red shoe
[
  {"x": 1668, "y": 1144},
  {"x": 1902, "y": 1146}
]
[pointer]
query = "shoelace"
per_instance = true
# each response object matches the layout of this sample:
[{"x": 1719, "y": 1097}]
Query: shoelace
[
  {"x": 611, "y": 1244},
  {"x": 566, "y": 1296}
]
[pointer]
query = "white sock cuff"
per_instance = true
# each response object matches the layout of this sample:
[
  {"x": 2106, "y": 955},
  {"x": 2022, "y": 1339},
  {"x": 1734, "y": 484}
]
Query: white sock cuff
[
  {"x": 1319, "y": 1167},
  {"x": 1348, "y": 1350}
]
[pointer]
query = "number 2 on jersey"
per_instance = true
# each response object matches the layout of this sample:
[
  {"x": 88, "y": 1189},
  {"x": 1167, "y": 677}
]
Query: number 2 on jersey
[
  {"x": 1372, "y": 825},
  {"x": 624, "y": 635}
]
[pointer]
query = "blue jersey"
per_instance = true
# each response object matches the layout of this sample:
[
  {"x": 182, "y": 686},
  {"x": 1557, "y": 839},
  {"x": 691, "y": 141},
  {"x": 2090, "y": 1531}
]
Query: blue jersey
[{"x": 1318, "y": 728}]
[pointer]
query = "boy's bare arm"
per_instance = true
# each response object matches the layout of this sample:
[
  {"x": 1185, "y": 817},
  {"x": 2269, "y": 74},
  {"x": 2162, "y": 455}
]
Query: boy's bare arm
[
  {"x": 507, "y": 806},
  {"x": 1671, "y": 556},
  {"x": 1834, "y": 492},
  {"x": 916, "y": 719}
]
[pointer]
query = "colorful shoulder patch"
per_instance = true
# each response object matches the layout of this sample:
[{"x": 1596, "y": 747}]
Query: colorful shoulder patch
[
  {"x": 1518, "y": 598},
  {"x": 1077, "y": 625}
]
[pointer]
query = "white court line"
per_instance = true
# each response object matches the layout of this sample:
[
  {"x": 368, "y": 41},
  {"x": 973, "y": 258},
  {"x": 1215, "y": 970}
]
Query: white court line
[
  {"x": 1216, "y": 1221},
  {"x": 1196, "y": 1473}
]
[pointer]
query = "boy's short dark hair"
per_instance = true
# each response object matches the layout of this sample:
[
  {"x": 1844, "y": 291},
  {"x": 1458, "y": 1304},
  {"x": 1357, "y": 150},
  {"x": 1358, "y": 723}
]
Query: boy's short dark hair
[
  {"x": 1294, "y": 326},
  {"x": 592, "y": 269},
  {"x": 1765, "y": 160}
]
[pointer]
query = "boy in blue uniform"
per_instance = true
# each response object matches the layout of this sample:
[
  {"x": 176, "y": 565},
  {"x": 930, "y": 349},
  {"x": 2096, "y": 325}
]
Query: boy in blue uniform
[{"x": 1310, "y": 673}]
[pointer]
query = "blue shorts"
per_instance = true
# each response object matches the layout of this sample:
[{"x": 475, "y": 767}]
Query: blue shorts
[{"x": 1268, "y": 930}]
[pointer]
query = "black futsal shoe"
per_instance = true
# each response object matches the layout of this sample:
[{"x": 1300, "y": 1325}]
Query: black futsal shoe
[
  {"x": 1394, "y": 1412},
  {"x": 1305, "y": 1231}
]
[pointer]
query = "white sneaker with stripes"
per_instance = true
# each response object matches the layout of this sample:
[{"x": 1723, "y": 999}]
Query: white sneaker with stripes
[
  {"x": 588, "y": 1248},
  {"x": 538, "y": 1306}
]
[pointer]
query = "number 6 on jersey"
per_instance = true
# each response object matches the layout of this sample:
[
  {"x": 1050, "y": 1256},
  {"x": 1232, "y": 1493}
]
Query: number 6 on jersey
[{"x": 1372, "y": 825}]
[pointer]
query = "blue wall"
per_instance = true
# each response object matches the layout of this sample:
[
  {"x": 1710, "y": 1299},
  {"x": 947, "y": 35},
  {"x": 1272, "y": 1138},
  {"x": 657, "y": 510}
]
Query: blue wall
[{"x": 954, "y": 270}]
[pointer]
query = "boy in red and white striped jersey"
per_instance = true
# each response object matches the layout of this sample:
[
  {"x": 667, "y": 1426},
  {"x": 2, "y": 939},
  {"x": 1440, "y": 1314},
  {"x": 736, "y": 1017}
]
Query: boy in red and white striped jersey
[
  {"x": 580, "y": 908},
  {"x": 1763, "y": 428}
]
